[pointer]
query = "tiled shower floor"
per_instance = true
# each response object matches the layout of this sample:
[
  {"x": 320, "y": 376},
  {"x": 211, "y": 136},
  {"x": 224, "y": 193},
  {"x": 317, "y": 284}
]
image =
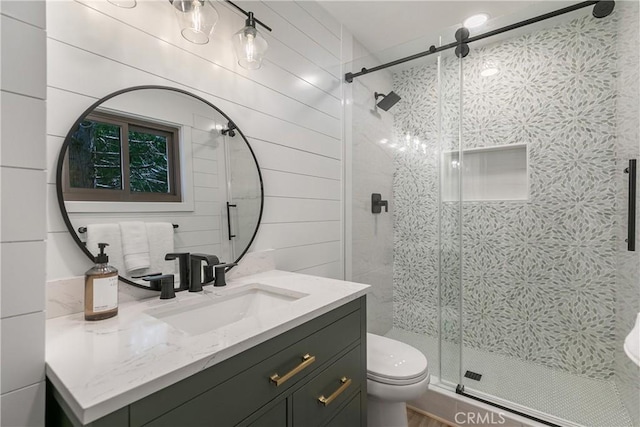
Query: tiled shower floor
[{"x": 580, "y": 400}]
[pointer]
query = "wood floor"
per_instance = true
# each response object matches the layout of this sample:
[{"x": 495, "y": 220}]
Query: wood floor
[{"x": 417, "y": 419}]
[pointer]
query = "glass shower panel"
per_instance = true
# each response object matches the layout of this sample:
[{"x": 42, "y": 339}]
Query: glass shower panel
[
  {"x": 450, "y": 182},
  {"x": 538, "y": 262}
]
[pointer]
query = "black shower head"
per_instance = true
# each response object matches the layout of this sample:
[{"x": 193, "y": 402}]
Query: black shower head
[{"x": 388, "y": 100}]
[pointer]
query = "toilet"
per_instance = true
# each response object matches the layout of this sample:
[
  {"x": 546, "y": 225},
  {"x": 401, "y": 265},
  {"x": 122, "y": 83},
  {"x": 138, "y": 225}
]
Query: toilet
[{"x": 396, "y": 373}]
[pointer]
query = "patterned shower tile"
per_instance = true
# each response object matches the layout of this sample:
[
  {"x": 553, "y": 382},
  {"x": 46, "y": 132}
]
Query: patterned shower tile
[{"x": 536, "y": 275}]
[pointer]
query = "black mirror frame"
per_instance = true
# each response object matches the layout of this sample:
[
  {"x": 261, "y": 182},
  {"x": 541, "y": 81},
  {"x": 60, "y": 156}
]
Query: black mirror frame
[{"x": 65, "y": 146}]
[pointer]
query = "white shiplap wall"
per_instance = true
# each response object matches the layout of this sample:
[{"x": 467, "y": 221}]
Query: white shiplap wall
[
  {"x": 290, "y": 110},
  {"x": 22, "y": 213}
]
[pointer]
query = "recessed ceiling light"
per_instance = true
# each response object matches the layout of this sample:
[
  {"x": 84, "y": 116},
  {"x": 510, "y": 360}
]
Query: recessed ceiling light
[
  {"x": 475, "y": 20},
  {"x": 488, "y": 72}
]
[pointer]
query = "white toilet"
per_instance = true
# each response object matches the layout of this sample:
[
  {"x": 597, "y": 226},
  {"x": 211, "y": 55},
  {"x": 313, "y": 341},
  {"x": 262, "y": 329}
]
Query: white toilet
[{"x": 396, "y": 372}]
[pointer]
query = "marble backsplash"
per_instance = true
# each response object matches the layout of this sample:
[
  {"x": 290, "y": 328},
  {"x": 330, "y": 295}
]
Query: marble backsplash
[{"x": 66, "y": 296}]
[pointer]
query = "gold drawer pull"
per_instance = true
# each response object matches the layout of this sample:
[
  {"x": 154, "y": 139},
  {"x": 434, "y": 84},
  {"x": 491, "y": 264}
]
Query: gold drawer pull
[
  {"x": 345, "y": 384},
  {"x": 279, "y": 380}
]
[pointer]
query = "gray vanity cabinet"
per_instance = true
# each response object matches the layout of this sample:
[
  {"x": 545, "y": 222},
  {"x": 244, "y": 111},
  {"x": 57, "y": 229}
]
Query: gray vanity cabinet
[{"x": 312, "y": 375}]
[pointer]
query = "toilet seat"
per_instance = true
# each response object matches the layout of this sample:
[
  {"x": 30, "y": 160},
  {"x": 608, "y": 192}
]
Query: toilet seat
[{"x": 393, "y": 362}]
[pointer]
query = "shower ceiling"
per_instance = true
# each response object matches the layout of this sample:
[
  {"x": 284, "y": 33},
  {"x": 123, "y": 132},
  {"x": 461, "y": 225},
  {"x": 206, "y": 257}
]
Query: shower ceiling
[{"x": 379, "y": 25}]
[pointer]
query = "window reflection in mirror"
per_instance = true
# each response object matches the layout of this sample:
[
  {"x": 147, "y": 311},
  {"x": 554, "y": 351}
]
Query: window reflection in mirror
[{"x": 121, "y": 159}]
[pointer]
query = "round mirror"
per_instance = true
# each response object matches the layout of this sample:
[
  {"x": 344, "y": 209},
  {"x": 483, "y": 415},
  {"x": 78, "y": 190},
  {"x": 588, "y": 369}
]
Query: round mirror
[{"x": 152, "y": 171}]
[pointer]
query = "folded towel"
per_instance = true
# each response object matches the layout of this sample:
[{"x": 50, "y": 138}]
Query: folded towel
[
  {"x": 160, "y": 243},
  {"x": 106, "y": 233},
  {"x": 135, "y": 245}
]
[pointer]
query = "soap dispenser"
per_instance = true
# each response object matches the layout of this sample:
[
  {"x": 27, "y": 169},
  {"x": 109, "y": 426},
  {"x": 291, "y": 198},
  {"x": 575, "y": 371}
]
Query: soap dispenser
[{"x": 101, "y": 288}]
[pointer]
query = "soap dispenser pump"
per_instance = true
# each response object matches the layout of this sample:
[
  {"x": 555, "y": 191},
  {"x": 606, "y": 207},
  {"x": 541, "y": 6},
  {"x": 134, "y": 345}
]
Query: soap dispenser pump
[{"x": 101, "y": 288}]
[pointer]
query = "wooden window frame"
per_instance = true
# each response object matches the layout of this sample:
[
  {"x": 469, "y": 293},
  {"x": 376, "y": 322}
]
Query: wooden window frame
[{"x": 125, "y": 194}]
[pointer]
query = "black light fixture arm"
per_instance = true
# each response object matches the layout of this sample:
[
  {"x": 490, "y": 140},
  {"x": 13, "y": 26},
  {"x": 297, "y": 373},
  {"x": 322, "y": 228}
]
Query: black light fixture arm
[
  {"x": 601, "y": 9},
  {"x": 249, "y": 15}
]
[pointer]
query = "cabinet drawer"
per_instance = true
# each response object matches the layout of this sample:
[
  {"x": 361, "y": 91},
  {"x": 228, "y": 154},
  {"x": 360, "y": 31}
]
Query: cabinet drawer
[
  {"x": 319, "y": 399},
  {"x": 350, "y": 415},
  {"x": 233, "y": 400},
  {"x": 274, "y": 417}
]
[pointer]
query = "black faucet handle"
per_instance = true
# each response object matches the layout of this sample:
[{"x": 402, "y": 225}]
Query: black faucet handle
[
  {"x": 163, "y": 282},
  {"x": 220, "y": 279}
]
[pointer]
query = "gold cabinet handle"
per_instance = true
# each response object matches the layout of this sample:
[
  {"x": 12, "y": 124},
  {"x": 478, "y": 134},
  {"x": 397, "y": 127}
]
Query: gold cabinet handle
[
  {"x": 345, "y": 384},
  {"x": 279, "y": 380}
]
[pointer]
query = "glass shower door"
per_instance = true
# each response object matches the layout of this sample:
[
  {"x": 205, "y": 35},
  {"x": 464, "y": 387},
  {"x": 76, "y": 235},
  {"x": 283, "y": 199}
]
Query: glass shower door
[
  {"x": 450, "y": 213},
  {"x": 538, "y": 226}
]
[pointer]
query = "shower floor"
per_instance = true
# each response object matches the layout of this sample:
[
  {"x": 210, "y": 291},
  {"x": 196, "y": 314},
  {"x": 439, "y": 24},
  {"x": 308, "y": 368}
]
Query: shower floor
[{"x": 576, "y": 399}]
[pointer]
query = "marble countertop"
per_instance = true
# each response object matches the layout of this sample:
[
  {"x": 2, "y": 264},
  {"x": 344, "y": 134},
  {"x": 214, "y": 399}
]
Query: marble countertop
[{"x": 99, "y": 367}]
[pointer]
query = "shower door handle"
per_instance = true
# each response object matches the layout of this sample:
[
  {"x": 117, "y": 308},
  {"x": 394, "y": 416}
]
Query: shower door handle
[{"x": 631, "y": 224}]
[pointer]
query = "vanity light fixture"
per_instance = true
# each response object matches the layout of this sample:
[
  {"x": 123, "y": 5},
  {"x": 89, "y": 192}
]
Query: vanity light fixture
[
  {"x": 475, "y": 20},
  {"x": 249, "y": 45},
  {"x": 197, "y": 19}
]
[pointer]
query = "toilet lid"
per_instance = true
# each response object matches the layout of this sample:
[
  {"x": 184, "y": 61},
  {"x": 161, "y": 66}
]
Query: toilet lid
[{"x": 394, "y": 362}]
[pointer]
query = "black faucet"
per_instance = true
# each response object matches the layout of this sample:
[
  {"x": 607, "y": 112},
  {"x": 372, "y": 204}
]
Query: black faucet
[
  {"x": 196, "y": 270},
  {"x": 183, "y": 263}
]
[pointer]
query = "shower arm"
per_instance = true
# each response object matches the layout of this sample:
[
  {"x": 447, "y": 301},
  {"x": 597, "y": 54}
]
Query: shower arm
[{"x": 463, "y": 41}]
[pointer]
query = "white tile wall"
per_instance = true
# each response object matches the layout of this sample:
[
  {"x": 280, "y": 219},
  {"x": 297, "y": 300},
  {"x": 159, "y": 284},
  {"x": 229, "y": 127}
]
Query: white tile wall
[
  {"x": 23, "y": 62},
  {"x": 23, "y": 126},
  {"x": 22, "y": 350},
  {"x": 371, "y": 171},
  {"x": 23, "y": 270},
  {"x": 25, "y": 204},
  {"x": 22, "y": 212},
  {"x": 23, "y": 407},
  {"x": 31, "y": 11}
]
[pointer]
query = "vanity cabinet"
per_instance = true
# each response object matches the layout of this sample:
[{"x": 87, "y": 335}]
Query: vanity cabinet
[{"x": 312, "y": 375}]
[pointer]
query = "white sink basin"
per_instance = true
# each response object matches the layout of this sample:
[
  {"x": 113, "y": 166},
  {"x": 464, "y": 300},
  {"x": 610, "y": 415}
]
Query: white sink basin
[{"x": 208, "y": 313}]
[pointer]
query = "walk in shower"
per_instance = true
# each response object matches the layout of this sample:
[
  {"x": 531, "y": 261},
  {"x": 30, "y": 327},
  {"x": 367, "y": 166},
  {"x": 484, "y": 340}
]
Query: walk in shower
[{"x": 504, "y": 254}]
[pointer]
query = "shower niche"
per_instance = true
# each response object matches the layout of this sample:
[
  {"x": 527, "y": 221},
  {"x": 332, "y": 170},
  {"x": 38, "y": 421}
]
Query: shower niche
[{"x": 488, "y": 174}]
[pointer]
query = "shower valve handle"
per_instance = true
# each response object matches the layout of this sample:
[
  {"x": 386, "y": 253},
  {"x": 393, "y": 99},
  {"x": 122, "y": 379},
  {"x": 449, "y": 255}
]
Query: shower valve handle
[{"x": 377, "y": 203}]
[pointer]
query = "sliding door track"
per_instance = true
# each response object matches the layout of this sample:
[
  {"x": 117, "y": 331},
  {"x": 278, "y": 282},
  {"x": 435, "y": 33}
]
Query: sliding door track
[{"x": 460, "y": 391}]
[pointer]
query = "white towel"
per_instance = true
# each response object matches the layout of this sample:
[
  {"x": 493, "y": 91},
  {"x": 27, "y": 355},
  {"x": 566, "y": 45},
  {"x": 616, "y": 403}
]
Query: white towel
[
  {"x": 106, "y": 233},
  {"x": 135, "y": 245},
  {"x": 160, "y": 243}
]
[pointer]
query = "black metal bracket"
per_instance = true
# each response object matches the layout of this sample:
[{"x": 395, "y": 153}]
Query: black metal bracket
[
  {"x": 229, "y": 206},
  {"x": 377, "y": 204},
  {"x": 462, "y": 35},
  {"x": 631, "y": 220},
  {"x": 231, "y": 128},
  {"x": 263, "y": 25}
]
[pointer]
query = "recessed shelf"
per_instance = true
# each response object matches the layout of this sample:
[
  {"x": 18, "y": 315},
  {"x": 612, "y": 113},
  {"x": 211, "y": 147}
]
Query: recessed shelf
[{"x": 489, "y": 173}]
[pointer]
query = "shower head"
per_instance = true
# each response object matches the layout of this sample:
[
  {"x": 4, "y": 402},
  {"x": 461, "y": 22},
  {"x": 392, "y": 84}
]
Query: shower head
[{"x": 388, "y": 100}]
